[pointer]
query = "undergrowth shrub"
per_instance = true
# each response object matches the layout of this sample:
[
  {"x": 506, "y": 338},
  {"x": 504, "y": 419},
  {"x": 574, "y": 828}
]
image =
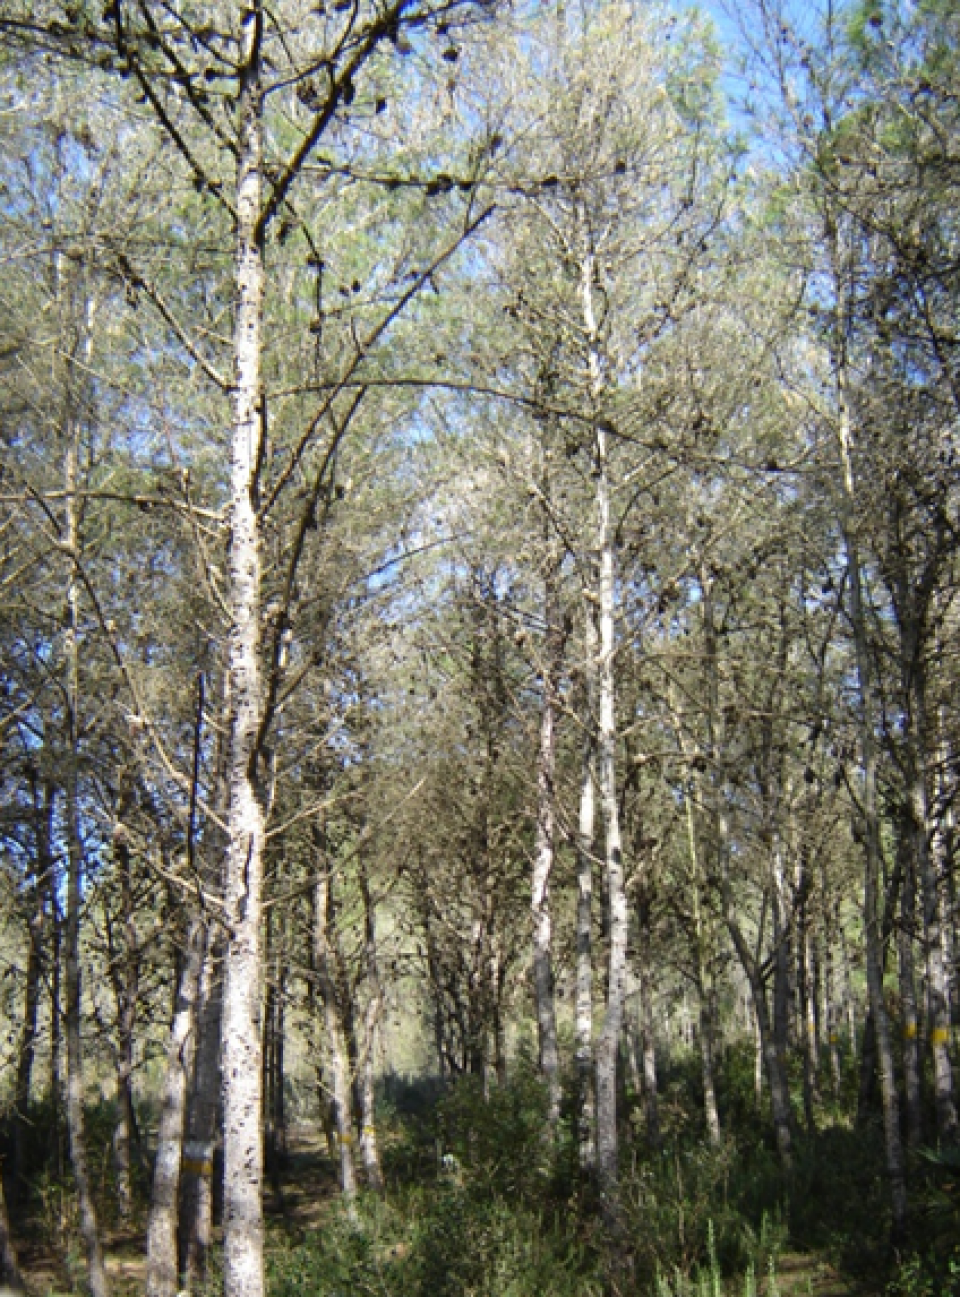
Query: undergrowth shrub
[
  {"x": 692, "y": 1206},
  {"x": 443, "y": 1242},
  {"x": 496, "y": 1142}
]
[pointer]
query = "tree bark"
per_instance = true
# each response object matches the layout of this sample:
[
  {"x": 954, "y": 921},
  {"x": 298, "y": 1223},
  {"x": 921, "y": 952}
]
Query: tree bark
[
  {"x": 197, "y": 1170},
  {"x": 648, "y": 1040},
  {"x": 766, "y": 1041},
  {"x": 242, "y": 1026},
  {"x": 608, "y": 1044},
  {"x": 336, "y": 1041},
  {"x": 906, "y": 936},
  {"x": 125, "y": 974},
  {"x": 10, "y": 1275},
  {"x": 586, "y": 1097},
  {"x": 937, "y": 981},
  {"x": 162, "y": 1243},
  {"x": 544, "y": 849},
  {"x": 44, "y": 795},
  {"x": 76, "y": 1128},
  {"x": 807, "y": 984},
  {"x": 702, "y": 978},
  {"x": 896, "y": 1168},
  {"x": 369, "y": 1150}
]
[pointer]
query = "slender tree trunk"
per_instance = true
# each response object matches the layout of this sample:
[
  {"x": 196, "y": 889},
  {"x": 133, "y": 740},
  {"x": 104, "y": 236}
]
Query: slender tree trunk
[
  {"x": 908, "y": 991},
  {"x": 810, "y": 1035},
  {"x": 704, "y": 983},
  {"x": 57, "y": 1088},
  {"x": 126, "y": 977},
  {"x": 716, "y": 862},
  {"x": 242, "y": 1026},
  {"x": 76, "y": 1124},
  {"x": 807, "y": 982},
  {"x": 273, "y": 1054},
  {"x": 832, "y": 1003},
  {"x": 89, "y": 1226},
  {"x": 337, "y": 1047},
  {"x": 937, "y": 981},
  {"x": 10, "y": 1276},
  {"x": 767, "y": 1045},
  {"x": 162, "y": 1243},
  {"x": 648, "y": 1043},
  {"x": 896, "y": 1168},
  {"x": 196, "y": 1180},
  {"x": 586, "y": 1107},
  {"x": 545, "y": 839},
  {"x": 782, "y": 943},
  {"x": 608, "y": 1044},
  {"x": 369, "y": 1150},
  {"x": 44, "y": 801},
  {"x": 706, "y": 997}
]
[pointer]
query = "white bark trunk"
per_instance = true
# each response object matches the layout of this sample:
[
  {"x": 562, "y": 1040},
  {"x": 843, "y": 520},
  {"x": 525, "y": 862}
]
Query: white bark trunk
[
  {"x": 162, "y": 1250},
  {"x": 586, "y": 1108},
  {"x": 342, "y": 1096},
  {"x": 242, "y": 1027},
  {"x": 196, "y": 1196},
  {"x": 544, "y": 851},
  {"x": 870, "y": 811},
  {"x": 937, "y": 982},
  {"x": 76, "y": 1126},
  {"x": 369, "y": 1151},
  {"x": 608, "y": 1046}
]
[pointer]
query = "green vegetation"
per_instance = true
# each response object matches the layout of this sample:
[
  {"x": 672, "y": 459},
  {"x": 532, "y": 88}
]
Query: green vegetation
[{"x": 479, "y": 607}]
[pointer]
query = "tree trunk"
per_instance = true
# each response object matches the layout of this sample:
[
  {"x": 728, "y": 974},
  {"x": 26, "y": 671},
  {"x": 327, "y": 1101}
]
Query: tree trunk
[
  {"x": 767, "y": 1045},
  {"x": 809, "y": 1010},
  {"x": 937, "y": 981},
  {"x": 162, "y": 1244},
  {"x": 369, "y": 1151},
  {"x": 608, "y": 1043},
  {"x": 337, "y": 1048},
  {"x": 586, "y": 1103},
  {"x": 870, "y": 812},
  {"x": 706, "y": 997},
  {"x": 76, "y": 1123},
  {"x": 9, "y": 1269},
  {"x": 242, "y": 1028},
  {"x": 716, "y": 863},
  {"x": 44, "y": 806},
  {"x": 782, "y": 943},
  {"x": 125, "y": 971},
  {"x": 545, "y": 840},
  {"x": 196, "y": 1177},
  {"x": 89, "y": 1227},
  {"x": 273, "y": 1056},
  {"x": 648, "y": 1043},
  {"x": 704, "y": 982},
  {"x": 832, "y": 1003},
  {"x": 906, "y": 937}
]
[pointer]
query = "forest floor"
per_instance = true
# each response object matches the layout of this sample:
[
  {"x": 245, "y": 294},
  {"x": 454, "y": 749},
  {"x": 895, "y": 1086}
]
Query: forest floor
[
  {"x": 308, "y": 1194},
  {"x": 805, "y": 1274}
]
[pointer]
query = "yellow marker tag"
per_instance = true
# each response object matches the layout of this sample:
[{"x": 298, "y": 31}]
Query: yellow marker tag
[
  {"x": 940, "y": 1036},
  {"x": 909, "y": 1031}
]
